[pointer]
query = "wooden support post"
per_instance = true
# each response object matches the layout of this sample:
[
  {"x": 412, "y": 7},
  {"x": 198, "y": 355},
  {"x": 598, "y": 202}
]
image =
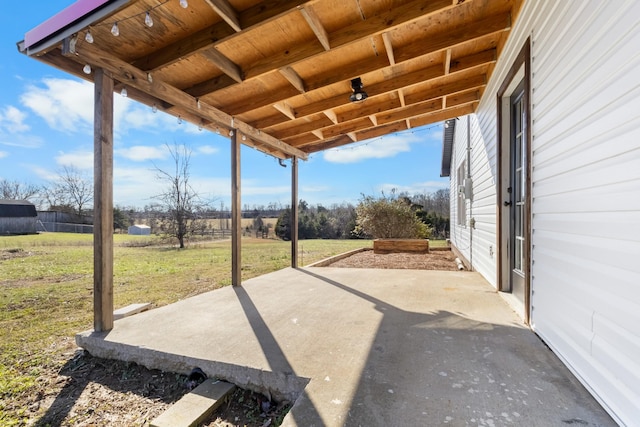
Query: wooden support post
[
  {"x": 236, "y": 212},
  {"x": 103, "y": 202},
  {"x": 294, "y": 212}
]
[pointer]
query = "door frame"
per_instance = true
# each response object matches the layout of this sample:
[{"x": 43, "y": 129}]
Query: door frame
[{"x": 522, "y": 62}]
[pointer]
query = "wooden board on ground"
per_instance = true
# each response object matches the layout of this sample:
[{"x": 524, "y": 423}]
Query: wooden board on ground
[{"x": 196, "y": 406}]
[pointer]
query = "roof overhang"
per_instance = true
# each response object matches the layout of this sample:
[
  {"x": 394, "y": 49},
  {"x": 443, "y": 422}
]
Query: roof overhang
[{"x": 280, "y": 73}]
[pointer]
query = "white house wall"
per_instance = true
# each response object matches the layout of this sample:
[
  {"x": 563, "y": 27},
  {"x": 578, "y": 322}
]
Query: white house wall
[{"x": 585, "y": 272}]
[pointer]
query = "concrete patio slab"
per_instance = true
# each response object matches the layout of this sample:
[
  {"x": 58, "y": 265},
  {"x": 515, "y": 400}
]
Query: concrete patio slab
[{"x": 363, "y": 347}]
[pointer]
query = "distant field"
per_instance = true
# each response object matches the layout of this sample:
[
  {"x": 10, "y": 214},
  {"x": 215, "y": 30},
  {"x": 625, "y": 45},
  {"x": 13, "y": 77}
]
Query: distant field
[
  {"x": 46, "y": 286},
  {"x": 225, "y": 223}
]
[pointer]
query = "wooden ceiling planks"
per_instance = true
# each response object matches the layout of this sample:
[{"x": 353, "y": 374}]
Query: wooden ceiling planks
[{"x": 282, "y": 68}]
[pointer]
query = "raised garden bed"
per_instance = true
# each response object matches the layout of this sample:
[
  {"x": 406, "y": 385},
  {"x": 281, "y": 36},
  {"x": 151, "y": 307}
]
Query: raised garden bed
[{"x": 387, "y": 246}]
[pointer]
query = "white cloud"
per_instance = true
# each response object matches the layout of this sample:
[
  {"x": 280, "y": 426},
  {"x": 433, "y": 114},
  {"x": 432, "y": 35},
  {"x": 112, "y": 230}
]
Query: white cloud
[
  {"x": 140, "y": 153},
  {"x": 21, "y": 140},
  {"x": 207, "y": 149},
  {"x": 77, "y": 159},
  {"x": 12, "y": 120},
  {"x": 380, "y": 148},
  {"x": 43, "y": 173},
  {"x": 134, "y": 186},
  {"x": 415, "y": 188},
  {"x": 313, "y": 188},
  {"x": 3, "y": 154},
  {"x": 67, "y": 105}
]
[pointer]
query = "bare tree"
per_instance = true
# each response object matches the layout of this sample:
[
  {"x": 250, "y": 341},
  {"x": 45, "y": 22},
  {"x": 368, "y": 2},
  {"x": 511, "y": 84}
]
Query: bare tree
[
  {"x": 16, "y": 190},
  {"x": 182, "y": 203},
  {"x": 72, "y": 189}
]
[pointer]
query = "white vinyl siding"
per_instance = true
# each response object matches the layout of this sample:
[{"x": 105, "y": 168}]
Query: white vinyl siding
[{"x": 585, "y": 242}]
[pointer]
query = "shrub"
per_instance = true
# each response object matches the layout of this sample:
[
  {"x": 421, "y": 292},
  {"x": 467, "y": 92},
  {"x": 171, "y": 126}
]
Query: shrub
[{"x": 389, "y": 217}]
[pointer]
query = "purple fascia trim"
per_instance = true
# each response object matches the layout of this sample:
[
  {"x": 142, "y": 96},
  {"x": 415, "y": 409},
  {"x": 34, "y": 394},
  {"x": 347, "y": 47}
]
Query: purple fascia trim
[{"x": 61, "y": 19}]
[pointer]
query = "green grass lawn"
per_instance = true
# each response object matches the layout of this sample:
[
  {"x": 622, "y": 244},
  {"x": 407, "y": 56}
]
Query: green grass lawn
[
  {"x": 46, "y": 287},
  {"x": 46, "y": 291}
]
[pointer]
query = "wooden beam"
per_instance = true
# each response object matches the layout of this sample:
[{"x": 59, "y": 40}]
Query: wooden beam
[
  {"x": 450, "y": 113},
  {"x": 211, "y": 85},
  {"x": 446, "y": 89},
  {"x": 225, "y": 65},
  {"x": 448, "y": 39},
  {"x": 137, "y": 78},
  {"x": 376, "y": 24},
  {"x": 331, "y": 115},
  {"x": 236, "y": 212},
  {"x": 401, "y": 98},
  {"x": 103, "y": 202},
  {"x": 294, "y": 127},
  {"x": 316, "y": 26},
  {"x": 411, "y": 111},
  {"x": 342, "y": 74},
  {"x": 226, "y": 12},
  {"x": 293, "y": 78},
  {"x": 447, "y": 61},
  {"x": 302, "y": 139},
  {"x": 370, "y": 107},
  {"x": 343, "y": 128},
  {"x": 389, "y": 48},
  {"x": 254, "y": 17},
  {"x": 285, "y": 109},
  {"x": 294, "y": 212},
  {"x": 384, "y": 86},
  {"x": 462, "y": 98},
  {"x": 381, "y": 130},
  {"x": 338, "y": 141},
  {"x": 319, "y": 133},
  {"x": 499, "y": 23}
]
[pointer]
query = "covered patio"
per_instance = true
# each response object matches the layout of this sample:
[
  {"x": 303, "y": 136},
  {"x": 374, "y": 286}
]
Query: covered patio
[
  {"x": 290, "y": 78},
  {"x": 363, "y": 347}
]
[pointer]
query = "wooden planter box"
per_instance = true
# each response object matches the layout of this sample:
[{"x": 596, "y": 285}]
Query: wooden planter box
[{"x": 387, "y": 246}]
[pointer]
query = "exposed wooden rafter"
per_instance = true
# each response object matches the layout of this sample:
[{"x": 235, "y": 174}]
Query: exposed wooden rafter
[
  {"x": 226, "y": 12},
  {"x": 281, "y": 69},
  {"x": 316, "y": 26},
  {"x": 224, "y": 64},
  {"x": 137, "y": 78},
  {"x": 216, "y": 34}
]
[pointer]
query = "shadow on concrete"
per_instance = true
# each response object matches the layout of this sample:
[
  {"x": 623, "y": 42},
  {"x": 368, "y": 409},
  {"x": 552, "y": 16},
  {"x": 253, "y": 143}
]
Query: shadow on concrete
[
  {"x": 276, "y": 358},
  {"x": 443, "y": 368}
]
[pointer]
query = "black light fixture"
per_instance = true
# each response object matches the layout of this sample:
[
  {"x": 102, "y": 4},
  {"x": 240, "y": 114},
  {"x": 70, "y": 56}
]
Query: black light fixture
[{"x": 358, "y": 94}]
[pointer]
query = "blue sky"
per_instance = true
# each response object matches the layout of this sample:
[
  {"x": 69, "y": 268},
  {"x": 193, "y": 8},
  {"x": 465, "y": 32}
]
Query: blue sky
[{"x": 46, "y": 123}]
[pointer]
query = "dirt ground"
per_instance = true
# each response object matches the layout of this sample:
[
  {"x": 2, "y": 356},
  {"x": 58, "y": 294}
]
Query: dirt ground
[
  {"x": 89, "y": 391},
  {"x": 434, "y": 260}
]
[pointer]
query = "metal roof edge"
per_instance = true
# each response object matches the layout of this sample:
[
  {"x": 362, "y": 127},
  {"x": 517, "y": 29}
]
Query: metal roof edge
[
  {"x": 66, "y": 23},
  {"x": 447, "y": 146}
]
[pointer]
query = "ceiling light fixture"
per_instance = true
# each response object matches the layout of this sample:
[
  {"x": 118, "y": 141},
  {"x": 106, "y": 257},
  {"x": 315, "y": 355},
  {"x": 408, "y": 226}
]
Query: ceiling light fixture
[{"x": 358, "y": 94}]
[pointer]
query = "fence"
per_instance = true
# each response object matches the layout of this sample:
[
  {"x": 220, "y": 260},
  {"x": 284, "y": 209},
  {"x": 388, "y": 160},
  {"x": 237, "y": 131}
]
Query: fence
[{"x": 64, "y": 227}]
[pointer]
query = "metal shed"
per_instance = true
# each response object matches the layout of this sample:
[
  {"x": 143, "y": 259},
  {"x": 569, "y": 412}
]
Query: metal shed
[
  {"x": 139, "y": 230},
  {"x": 17, "y": 217}
]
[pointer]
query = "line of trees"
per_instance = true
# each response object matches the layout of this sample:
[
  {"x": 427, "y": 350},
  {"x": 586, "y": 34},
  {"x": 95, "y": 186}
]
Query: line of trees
[
  {"x": 428, "y": 214},
  {"x": 180, "y": 211}
]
